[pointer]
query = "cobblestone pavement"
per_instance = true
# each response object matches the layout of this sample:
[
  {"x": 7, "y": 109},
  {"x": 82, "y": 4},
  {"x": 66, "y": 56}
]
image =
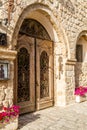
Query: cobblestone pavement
[{"x": 73, "y": 117}]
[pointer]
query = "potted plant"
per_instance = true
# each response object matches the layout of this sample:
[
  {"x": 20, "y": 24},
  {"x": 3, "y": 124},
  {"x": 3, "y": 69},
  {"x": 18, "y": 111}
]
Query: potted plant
[
  {"x": 80, "y": 93},
  {"x": 9, "y": 118}
]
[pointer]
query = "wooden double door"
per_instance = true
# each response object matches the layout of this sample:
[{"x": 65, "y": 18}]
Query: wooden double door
[{"x": 34, "y": 74}]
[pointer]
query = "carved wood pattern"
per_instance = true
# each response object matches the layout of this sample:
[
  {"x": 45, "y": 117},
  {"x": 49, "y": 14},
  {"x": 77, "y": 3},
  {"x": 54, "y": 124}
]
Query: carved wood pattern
[
  {"x": 23, "y": 75},
  {"x": 33, "y": 28},
  {"x": 44, "y": 75}
]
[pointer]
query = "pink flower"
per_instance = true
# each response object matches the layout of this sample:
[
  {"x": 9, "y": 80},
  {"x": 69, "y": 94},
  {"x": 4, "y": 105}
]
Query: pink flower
[
  {"x": 5, "y": 108},
  {"x": 1, "y": 117},
  {"x": 80, "y": 90},
  {"x": 9, "y": 113}
]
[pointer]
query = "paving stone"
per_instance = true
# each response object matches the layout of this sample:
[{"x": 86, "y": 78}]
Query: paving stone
[{"x": 72, "y": 117}]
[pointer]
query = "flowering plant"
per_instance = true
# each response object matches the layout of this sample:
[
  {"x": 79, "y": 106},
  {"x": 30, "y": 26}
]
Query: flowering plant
[
  {"x": 81, "y": 91},
  {"x": 9, "y": 113}
]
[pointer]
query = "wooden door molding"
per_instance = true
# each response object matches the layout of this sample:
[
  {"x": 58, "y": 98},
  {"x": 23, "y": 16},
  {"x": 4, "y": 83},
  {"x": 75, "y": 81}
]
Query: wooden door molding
[
  {"x": 45, "y": 47},
  {"x": 28, "y": 105}
]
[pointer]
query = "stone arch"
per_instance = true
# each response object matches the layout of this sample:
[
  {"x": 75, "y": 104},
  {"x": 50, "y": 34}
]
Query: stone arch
[
  {"x": 84, "y": 32},
  {"x": 55, "y": 30},
  {"x": 81, "y": 57},
  {"x": 53, "y": 25},
  {"x": 79, "y": 35}
]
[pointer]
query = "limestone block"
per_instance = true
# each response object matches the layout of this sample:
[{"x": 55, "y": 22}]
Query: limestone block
[
  {"x": 68, "y": 80},
  {"x": 1, "y": 105},
  {"x": 10, "y": 102},
  {"x": 2, "y": 95},
  {"x": 69, "y": 68},
  {"x": 5, "y": 103},
  {"x": 9, "y": 93},
  {"x": 4, "y": 87},
  {"x": 81, "y": 74},
  {"x": 9, "y": 96},
  {"x": 70, "y": 73}
]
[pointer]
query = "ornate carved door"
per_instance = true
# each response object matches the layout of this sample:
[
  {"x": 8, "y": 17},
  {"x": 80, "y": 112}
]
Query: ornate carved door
[
  {"x": 44, "y": 74},
  {"x": 25, "y": 77},
  {"x": 34, "y": 68},
  {"x": 34, "y": 74}
]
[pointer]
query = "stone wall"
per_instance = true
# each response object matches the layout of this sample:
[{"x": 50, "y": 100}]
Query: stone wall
[
  {"x": 6, "y": 93},
  {"x": 6, "y": 85},
  {"x": 70, "y": 17},
  {"x": 68, "y": 20},
  {"x": 81, "y": 74},
  {"x": 66, "y": 84},
  {"x": 70, "y": 81},
  {"x": 73, "y": 22}
]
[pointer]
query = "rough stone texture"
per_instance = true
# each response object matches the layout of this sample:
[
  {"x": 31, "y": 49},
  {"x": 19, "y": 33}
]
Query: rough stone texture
[
  {"x": 81, "y": 74},
  {"x": 6, "y": 88},
  {"x": 67, "y": 21},
  {"x": 71, "y": 15},
  {"x": 72, "y": 18},
  {"x": 70, "y": 82},
  {"x": 5, "y": 95}
]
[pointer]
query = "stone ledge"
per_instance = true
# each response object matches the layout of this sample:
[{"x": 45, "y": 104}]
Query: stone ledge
[
  {"x": 7, "y": 54},
  {"x": 71, "y": 61}
]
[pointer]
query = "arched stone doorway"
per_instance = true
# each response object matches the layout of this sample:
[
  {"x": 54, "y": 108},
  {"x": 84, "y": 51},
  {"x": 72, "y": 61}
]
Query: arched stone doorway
[
  {"x": 34, "y": 67},
  {"x": 58, "y": 40}
]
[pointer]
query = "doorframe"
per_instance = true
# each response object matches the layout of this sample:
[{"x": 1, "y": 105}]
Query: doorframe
[
  {"x": 35, "y": 58},
  {"x": 35, "y": 73}
]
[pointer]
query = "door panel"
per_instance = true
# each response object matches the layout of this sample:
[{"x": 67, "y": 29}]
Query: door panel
[
  {"x": 34, "y": 74},
  {"x": 25, "y": 75},
  {"x": 44, "y": 74}
]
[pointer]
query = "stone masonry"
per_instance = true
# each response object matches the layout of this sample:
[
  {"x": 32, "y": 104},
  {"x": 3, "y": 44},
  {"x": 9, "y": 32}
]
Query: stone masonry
[{"x": 66, "y": 21}]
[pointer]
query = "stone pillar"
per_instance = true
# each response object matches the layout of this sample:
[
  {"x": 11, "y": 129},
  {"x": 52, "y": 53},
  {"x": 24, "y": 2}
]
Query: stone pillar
[
  {"x": 70, "y": 80},
  {"x": 59, "y": 79},
  {"x": 64, "y": 81},
  {"x": 60, "y": 91}
]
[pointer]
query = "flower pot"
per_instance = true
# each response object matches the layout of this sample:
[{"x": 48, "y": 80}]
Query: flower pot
[
  {"x": 11, "y": 125},
  {"x": 80, "y": 98}
]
